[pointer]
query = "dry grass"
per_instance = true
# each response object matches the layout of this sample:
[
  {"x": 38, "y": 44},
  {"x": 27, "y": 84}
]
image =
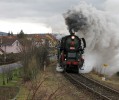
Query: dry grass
[
  {"x": 51, "y": 85},
  {"x": 23, "y": 93},
  {"x": 112, "y": 81}
]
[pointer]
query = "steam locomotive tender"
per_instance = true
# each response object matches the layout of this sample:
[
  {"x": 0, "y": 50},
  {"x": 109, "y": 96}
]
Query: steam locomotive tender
[{"x": 70, "y": 53}]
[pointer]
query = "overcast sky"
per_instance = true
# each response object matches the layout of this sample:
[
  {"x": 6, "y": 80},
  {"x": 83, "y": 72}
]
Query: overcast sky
[{"x": 37, "y": 16}]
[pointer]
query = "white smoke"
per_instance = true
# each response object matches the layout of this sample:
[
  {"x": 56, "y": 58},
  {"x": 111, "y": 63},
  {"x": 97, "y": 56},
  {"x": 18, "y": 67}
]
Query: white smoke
[
  {"x": 101, "y": 33},
  {"x": 112, "y": 6}
]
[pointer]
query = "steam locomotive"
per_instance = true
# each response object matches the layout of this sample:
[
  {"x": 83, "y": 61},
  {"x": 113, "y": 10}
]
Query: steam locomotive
[{"x": 70, "y": 51}]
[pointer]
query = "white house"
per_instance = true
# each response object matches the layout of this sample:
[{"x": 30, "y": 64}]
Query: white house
[{"x": 9, "y": 44}]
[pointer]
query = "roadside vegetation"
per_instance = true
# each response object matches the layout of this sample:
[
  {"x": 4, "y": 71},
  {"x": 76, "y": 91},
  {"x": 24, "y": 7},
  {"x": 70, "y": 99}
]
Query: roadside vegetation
[
  {"x": 8, "y": 58},
  {"x": 111, "y": 81},
  {"x": 9, "y": 81},
  {"x": 10, "y": 77},
  {"x": 33, "y": 59},
  {"x": 50, "y": 85}
]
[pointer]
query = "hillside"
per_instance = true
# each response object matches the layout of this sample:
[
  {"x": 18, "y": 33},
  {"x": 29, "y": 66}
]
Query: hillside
[{"x": 3, "y": 33}]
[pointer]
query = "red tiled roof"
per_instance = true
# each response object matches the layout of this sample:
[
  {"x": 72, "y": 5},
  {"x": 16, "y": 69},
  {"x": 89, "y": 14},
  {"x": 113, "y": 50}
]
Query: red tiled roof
[
  {"x": 53, "y": 37},
  {"x": 7, "y": 40}
]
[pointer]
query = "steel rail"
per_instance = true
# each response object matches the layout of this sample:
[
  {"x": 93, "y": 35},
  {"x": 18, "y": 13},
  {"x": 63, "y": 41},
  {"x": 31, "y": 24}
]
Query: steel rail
[{"x": 100, "y": 90}]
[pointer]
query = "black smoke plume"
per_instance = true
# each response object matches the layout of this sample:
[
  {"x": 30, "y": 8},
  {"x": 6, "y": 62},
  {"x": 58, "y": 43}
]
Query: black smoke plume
[{"x": 76, "y": 21}]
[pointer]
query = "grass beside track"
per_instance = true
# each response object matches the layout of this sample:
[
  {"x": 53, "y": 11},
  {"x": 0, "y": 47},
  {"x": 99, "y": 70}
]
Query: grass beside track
[
  {"x": 15, "y": 78},
  {"x": 112, "y": 81},
  {"x": 10, "y": 88},
  {"x": 54, "y": 87}
]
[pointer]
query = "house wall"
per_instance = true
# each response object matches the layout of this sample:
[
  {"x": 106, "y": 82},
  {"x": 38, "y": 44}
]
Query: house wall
[
  {"x": 1, "y": 52},
  {"x": 14, "y": 48}
]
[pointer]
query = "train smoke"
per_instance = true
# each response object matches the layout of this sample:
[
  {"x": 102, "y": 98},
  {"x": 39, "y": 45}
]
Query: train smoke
[{"x": 101, "y": 32}]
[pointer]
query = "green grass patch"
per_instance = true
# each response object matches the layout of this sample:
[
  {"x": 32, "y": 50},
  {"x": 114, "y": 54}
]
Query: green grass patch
[
  {"x": 12, "y": 81},
  {"x": 11, "y": 78}
]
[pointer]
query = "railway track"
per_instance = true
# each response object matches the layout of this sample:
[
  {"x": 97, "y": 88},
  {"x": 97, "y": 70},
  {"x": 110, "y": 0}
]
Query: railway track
[{"x": 97, "y": 90}]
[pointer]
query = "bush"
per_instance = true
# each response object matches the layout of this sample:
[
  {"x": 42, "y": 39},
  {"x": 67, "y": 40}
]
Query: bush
[{"x": 10, "y": 58}]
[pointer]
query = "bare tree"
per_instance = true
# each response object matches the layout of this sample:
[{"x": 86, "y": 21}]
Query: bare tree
[
  {"x": 42, "y": 53},
  {"x": 32, "y": 58},
  {"x": 9, "y": 73},
  {"x": 26, "y": 55},
  {"x": 3, "y": 75}
]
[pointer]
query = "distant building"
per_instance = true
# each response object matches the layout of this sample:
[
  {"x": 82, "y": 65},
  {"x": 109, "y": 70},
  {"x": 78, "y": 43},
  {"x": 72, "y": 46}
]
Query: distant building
[
  {"x": 40, "y": 39},
  {"x": 9, "y": 44}
]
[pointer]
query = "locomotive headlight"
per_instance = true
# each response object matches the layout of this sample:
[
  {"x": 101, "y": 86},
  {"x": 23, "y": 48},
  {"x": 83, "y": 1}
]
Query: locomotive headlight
[{"x": 73, "y": 37}]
